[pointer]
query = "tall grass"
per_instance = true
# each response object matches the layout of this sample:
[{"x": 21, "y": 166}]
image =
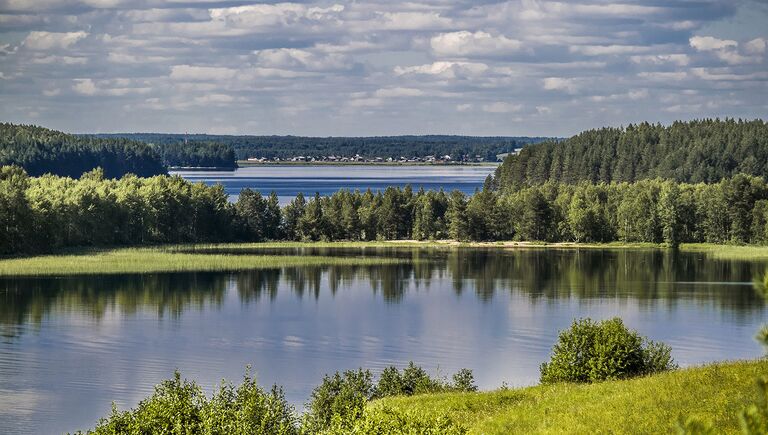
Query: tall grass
[{"x": 153, "y": 260}]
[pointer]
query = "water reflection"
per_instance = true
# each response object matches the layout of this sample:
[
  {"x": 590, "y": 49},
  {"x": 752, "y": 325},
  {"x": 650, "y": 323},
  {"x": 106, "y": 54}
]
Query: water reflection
[
  {"x": 644, "y": 276},
  {"x": 70, "y": 346}
]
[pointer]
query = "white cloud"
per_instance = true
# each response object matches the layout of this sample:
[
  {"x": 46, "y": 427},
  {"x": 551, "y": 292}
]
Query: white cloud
[
  {"x": 61, "y": 60},
  {"x": 38, "y": 40},
  {"x": 709, "y": 43},
  {"x": 202, "y": 73},
  {"x": 445, "y": 69},
  {"x": 467, "y": 44},
  {"x": 410, "y": 21},
  {"x": 755, "y": 46},
  {"x": 398, "y": 92},
  {"x": 289, "y": 58},
  {"x": 661, "y": 59},
  {"x": 560, "y": 84},
  {"x": 603, "y": 50},
  {"x": 501, "y": 107},
  {"x": 84, "y": 87}
]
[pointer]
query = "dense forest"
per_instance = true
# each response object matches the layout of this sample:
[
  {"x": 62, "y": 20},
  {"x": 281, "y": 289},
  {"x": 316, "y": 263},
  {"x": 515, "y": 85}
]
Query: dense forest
[
  {"x": 197, "y": 155},
  {"x": 48, "y": 212},
  {"x": 385, "y": 146},
  {"x": 692, "y": 152},
  {"x": 40, "y": 150}
]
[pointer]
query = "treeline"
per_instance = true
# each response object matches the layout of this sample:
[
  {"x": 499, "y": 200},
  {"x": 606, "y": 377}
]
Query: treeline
[
  {"x": 40, "y": 150},
  {"x": 50, "y": 212},
  {"x": 282, "y": 147},
  {"x": 692, "y": 152},
  {"x": 197, "y": 155}
]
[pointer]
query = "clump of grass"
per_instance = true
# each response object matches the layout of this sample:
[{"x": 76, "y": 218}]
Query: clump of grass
[
  {"x": 155, "y": 260},
  {"x": 729, "y": 252}
]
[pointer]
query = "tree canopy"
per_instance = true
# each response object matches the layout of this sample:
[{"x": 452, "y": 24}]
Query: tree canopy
[{"x": 706, "y": 150}]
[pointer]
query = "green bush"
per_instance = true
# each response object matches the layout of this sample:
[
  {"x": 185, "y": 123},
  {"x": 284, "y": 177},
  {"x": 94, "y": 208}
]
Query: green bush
[
  {"x": 341, "y": 396},
  {"x": 180, "y": 407},
  {"x": 593, "y": 352},
  {"x": 415, "y": 380}
]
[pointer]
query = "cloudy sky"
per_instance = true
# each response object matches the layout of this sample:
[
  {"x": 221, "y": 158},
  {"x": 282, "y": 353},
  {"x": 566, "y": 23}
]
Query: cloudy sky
[{"x": 483, "y": 67}]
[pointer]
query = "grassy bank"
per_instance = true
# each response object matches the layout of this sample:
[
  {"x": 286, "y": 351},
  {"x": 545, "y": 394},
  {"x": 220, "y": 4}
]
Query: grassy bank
[
  {"x": 154, "y": 260},
  {"x": 652, "y": 404},
  {"x": 218, "y": 257}
]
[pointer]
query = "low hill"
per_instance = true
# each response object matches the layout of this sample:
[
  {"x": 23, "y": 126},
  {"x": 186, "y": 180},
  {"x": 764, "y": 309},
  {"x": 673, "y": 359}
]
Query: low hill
[
  {"x": 697, "y": 151},
  {"x": 40, "y": 150},
  {"x": 714, "y": 393}
]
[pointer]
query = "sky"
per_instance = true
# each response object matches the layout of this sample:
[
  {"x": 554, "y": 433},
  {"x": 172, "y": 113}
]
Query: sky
[{"x": 347, "y": 68}]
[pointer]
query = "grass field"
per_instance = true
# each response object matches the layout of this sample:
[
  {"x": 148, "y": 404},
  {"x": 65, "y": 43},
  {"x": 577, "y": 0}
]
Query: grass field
[{"x": 649, "y": 405}]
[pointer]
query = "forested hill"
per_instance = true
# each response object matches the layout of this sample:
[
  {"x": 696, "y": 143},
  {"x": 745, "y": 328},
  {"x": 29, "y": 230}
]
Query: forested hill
[
  {"x": 40, "y": 150},
  {"x": 696, "y": 151},
  {"x": 382, "y": 146}
]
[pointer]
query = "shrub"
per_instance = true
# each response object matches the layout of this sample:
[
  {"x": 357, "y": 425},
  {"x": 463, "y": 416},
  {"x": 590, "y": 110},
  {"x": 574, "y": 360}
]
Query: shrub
[
  {"x": 341, "y": 396},
  {"x": 180, "y": 407},
  {"x": 415, "y": 380},
  {"x": 593, "y": 352}
]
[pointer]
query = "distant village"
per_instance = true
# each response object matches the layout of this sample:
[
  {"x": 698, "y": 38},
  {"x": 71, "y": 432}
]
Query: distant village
[{"x": 357, "y": 158}]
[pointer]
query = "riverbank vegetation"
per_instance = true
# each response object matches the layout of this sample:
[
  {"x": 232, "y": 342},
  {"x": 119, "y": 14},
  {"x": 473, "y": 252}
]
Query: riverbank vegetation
[{"x": 157, "y": 260}]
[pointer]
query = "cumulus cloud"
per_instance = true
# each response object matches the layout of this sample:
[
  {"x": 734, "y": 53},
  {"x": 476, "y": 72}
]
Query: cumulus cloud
[
  {"x": 467, "y": 44},
  {"x": 445, "y": 69},
  {"x": 203, "y": 73},
  {"x": 350, "y": 67},
  {"x": 501, "y": 107},
  {"x": 560, "y": 84},
  {"x": 709, "y": 43},
  {"x": 38, "y": 40}
]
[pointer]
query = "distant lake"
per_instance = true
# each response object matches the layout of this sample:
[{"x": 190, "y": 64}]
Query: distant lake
[
  {"x": 288, "y": 180},
  {"x": 69, "y": 346}
]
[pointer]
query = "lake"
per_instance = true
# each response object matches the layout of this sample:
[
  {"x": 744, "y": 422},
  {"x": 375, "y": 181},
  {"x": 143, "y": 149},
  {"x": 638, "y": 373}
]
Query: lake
[
  {"x": 288, "y": 180},
  {"x": 71, "y": 345}
]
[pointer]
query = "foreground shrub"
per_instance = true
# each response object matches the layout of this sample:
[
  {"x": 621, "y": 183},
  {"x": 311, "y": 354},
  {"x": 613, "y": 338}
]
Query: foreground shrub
[
  {"x": 341, "y": 396},
  {"x": 415, "y": 380},
  {"x": 339, "y": 402},
  {"x": 180, "y": 407},
  {"x": 593, "y": 352}
]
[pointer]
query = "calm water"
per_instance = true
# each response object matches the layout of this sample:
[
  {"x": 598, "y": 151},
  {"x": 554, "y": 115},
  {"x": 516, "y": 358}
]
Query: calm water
[
  {"x": 70, "y": 346},
  {"x": 287, "y": 180}
]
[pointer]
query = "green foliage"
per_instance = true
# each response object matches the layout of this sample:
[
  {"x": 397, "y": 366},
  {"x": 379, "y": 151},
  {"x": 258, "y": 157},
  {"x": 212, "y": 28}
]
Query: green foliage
[
  {"x": 42, "y": 151},
  {"x": 702, "y": 151},
  {"x": 754, "y": 419},
  {"x": 381, "y": 146},
  {"x": 341, "y": 396},
  {"x": 197, "y": 154},
  {"x": 387, "y": 421},
  {"x": 180, "y": 407},
  {"x": 594, "y": 352},
  {"x": 647, "y": 405},
  {"x": 339, "y": 403}
]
